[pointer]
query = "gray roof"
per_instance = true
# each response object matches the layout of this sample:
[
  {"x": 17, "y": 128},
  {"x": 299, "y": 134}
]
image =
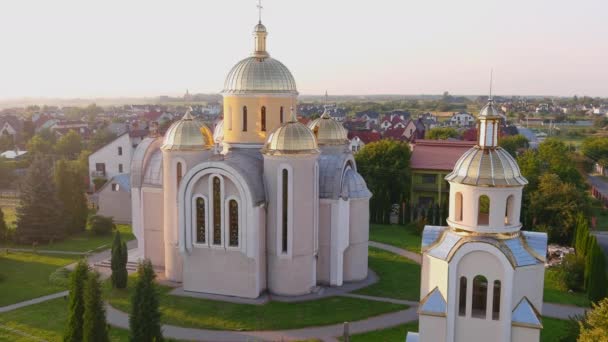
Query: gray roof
[
  {"x": 154, "y": 169},
  {"x": 331, "y": 169},
  {"x": 250, "y": 164},
  {"x": 433, "y": 304},
  {"x": 443, "y": 243},
  {"x": 137, "y": 162},
  {"x": 354, "y": 185},
  {"x": 526, "y": 315}
]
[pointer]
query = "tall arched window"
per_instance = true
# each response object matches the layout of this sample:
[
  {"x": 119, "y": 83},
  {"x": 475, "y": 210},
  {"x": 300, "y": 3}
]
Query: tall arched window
[
  {"x": 200, "y": 221},
  {"x": 496, "y": 301},
  {"x": 462, "y": 297},
  {"x": 281, "y": 114},
  {"x": 285, "y": 212},
  {"x": 233, "y": 218},
  {"x": 509, "y": 210},
  {"x": 228, "y": 118},
  {"x": 480, "y": 296},
  {"x": 178, "y": 173},
  {"x": 458, "y": 214},
  {"x": 483, "y": 217},
  {"x": 217, "y": 211},
  {"x": 244, "y": 118},
  {"x": 263, "y": 119}
]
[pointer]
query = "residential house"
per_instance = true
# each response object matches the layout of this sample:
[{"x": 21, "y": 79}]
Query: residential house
[
  {"x": 462, "y": 119},
  {"x": 114, "y": 199},
  {"x": 113, "y": 158},
  {"x": 410, "y": 131},
  {"x": 10, "y": 125},
  {"x": 392, "y": 122},
  {"x": 13, "y": 154},
  {"x": 429, "y": 120},
  {"x": 430, "y": 162},
  {"x": 369, "y": 116},
  {"x": 360, "y": 138},
  {"x": 356, "y": 144}
]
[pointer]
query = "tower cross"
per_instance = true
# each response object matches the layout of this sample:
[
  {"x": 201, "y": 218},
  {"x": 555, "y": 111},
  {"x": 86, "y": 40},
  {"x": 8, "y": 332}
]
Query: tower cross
[{"x": 260, "y": 7}]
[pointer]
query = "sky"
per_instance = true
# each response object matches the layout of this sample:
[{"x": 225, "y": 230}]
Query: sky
[{"x": 124, "y": 48}]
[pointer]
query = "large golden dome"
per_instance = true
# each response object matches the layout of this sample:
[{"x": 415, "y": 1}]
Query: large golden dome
[
  {"x": 188, "y": 134},
  {"x": 487, "y": 167},
  {"x": 328, "y": 131},
  {"x": 292, "y": 137}
]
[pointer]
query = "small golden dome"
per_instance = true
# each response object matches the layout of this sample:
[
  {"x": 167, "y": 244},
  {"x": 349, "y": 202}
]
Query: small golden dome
[
  {"x": 188, "y": 134},
  {"x": 292, "y": 137},
  {"x": 328, "y": 131},
  {"x": 487, "y": 167}
]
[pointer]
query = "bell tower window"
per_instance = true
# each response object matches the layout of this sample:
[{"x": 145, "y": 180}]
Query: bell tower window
[
  {"x": 483, "y": 217},
  {"x": 458, "y": 209},
  {"x": 509, "y": 210},
  {"x": 178, "y": 173},
  {"x": 244, "y": 118},
  {"x": 263, "y": 126},
  {"x": 480, "y": 297},
  {"x": 281, "y": 115}
]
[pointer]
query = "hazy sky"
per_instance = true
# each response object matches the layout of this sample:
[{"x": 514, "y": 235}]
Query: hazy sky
[{"x": 147, "y": 48}]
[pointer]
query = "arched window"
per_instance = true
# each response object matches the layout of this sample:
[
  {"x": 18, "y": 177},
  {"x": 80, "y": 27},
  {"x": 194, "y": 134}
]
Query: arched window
[
  {"x": 281, "y": 114},
  {"x": 263, "y": 119},
  {"x": 483, "y": 217},
  {"x": 228, "y": 118},
  {"x": 480, "y": 296},
  {"x": 178, "y": 173},
  {"x": 462, "y": 297},
  {"x": 285, "y": 212},
  {"x": 496, "y": 301},
  {"x": 509, "y": 210},
  {"x": 458, "y": 214},
  {"x": 217, "y": 211},
  {"x": 244, "y": 118},
  {"x": 233, "y": 217},
  {"x": 200, "y": 221}
]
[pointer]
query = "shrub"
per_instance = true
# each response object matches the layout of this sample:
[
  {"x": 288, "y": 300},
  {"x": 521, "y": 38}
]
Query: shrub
[
  {"x": 1, "y": 277},
  {"x": 420, "y": 224},
  {"x": 101, "y": 225},
  {"x": 61, "y": 277},
  {"x": 572, "y": 272}
]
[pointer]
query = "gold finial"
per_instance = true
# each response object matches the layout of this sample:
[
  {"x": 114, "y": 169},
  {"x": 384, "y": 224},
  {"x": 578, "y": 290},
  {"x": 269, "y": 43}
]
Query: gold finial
[{"x": 491, "y": 75}]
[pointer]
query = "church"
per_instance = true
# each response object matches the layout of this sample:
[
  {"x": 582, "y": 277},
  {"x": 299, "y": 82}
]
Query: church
[
  {"x": 262, "y": 204},
  {"x": 482, "y": 276}
]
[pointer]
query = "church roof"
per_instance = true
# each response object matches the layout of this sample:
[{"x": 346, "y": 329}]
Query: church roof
[
  {"x": 154, "y": 170},
  {"x": 331, "y": 167},
  {"x": 353, "y": 186},
  {"x": 525, "y": 315},
  {"x": 250, "y": 164},
  {"x": 433, "y": 304},
  {"x": 443, "y": 242}
]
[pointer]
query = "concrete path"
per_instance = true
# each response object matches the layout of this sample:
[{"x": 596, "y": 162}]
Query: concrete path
[
  {"x": 415, "y": 257},
  {"x": 562, "y": 311},
  {"x": 33, "y": 301}
]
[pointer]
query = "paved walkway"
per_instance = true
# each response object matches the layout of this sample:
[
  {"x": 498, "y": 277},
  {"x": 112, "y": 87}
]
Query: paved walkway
[
  {"x": 415, "y": 257},
  {"x": 33, "y": 301}
]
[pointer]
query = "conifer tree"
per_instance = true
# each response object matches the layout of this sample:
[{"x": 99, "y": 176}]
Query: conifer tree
[
  {"x": 591, "y": 241},
  {"x": 39, "y": 215},
  {"x": 582, "y": 231},
  {"x": 144, "y": 320},
  {"x": 3, "y": 227},
  {"x": 76, "y": 306},
  {"x": 597, "y": 282},
  {"x": 70, "y": 191},
  {"x": 118, "y": 263},
  {"x": 95, "y": 327}
]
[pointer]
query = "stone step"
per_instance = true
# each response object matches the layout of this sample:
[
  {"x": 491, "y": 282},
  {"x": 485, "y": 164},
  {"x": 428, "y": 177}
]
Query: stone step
[{"x": 131, "y": 266}]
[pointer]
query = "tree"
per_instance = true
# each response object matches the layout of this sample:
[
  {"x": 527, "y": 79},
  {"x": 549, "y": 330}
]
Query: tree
[
  {"x": 3, "y": 227},
  {"x": 74, "y": 331},
  {"x": 581, "y": 234},
  {"x": 119, "y": 263},
  {"x": 512, "y": 143},
  {"x": 69, "y": 145},
  {"x": 38, "y": 145},
  {"x": 40, "y": 212},
  {"x": 28, "y": 130},
  {"x": 100, "y": 139},
  {"x": 385, "y": 166},
  {"x": 101, "y": 225},
  {"x": 594, "y": 328},
  {"x": 442, "y": 133},
  {"x": 144, "y": 320},
  {"x": 595, "y": 148},
  {"x": 596, "y": 273},
  {"x": 95, "y": 327},
  {"x": 71, "y": 194}
]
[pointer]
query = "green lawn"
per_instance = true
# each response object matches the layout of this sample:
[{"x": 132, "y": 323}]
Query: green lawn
[
  {"x": 208, "y": 314},
  {"x": 26, "y": 275},
  {"x": 555, "y": 293},
  {"x": 399, "y": 276},
  {"x": 84, "y": 242},
  {"x": 43, "y": 321},
  {"x": 399, "y": 236},
  {"x": 553, "y": 329}
]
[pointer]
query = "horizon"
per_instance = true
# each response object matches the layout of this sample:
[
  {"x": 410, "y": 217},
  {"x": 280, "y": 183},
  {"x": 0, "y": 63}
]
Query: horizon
[{"x": 71, "y": 50}]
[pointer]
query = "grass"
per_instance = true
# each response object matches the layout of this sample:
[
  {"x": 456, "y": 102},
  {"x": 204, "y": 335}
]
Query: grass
[
  {"x": 555, "y": 292},
  {"x": 45, "y": 321},
  {"x": 26, "y": 275},
  {"x": 399, "y": 276},
  {"x": 396, "y": 334},
  {"x": 83, "y": 242},
  {"x": 553, "y": 329},
  {"x": 399, "y": 236},
  {"x": 208, "y": 314}
]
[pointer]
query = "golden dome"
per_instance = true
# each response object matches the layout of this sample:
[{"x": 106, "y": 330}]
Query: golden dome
[
  {"x": 328, "y": 131},
  {"x": 487, "y": 167},
  {"x": 188, "y": 134},
  {"x": 292, "y": 137}
]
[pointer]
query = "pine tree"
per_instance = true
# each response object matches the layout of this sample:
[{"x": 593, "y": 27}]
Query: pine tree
[
  {"x": 144, "y": 320},
  {"x": 3, "y": 227},
  {"x": 118, "y": 262},
  {"x": 76, "y": 306},
  {"x": 582, "y": 231},
  {"x": 95, "y": 327},
  {"x": 39, "y": 215},
  {"x": 596, "y": 287},
  {"x": 70, "y": 191},
  {"x": 591, "y": 241}
]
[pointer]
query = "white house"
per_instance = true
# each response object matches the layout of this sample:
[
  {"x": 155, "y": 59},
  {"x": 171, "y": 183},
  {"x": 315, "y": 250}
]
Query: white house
[
  {"x": 356, "y": 144},
  {"x": 114, "y": 158},
  {"x": 462, "y": 120}
]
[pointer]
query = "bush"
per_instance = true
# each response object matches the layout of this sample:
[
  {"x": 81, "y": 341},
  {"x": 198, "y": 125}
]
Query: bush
[
  {"x": 420, "y": 224},
  {"x": 1, "y": 277},
  {"x": 61, "y": 277},
  {"x": 101, "y": 225},
  {"x": 572, "y": 272}
]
